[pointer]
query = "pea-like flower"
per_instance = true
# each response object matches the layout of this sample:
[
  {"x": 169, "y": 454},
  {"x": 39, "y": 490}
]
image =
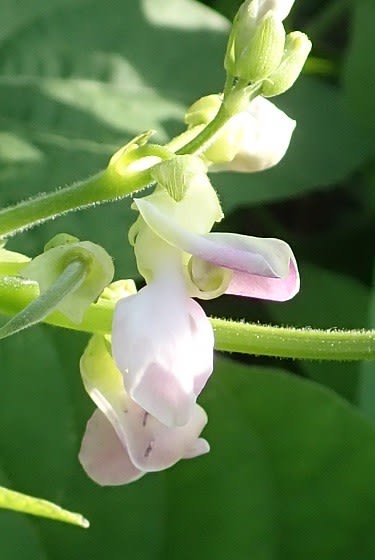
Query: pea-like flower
[
  {"x": 122, "y": 440},
  {"x": 252, "y": 140},
  {"x": 162, "y": 341},
  {"x": 218, "y": 263}
]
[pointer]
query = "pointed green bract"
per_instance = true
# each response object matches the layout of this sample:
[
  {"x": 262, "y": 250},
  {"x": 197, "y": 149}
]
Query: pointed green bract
[{"x": 36, "y": 506}]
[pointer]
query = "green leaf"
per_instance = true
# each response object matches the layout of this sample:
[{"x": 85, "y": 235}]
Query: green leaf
[
  {"x": 37, "y": 440},
  {"x": 359, "y": 70},
  {"x": 290, "y": 475},
  {"x": 19, "y": 537},
  {"x": 36, "y": 506},
  {"x": 332, "y": 301}
]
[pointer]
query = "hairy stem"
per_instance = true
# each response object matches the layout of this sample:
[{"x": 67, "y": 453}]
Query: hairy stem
[{"x": 246, "y": 338}]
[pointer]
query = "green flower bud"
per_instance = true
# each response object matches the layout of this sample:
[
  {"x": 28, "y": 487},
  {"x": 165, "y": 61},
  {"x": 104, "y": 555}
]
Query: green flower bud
[
  {"x": 258, "y": 57},
  {"x": 203, "y": 111},
  {"x": 297, "y": 49}
]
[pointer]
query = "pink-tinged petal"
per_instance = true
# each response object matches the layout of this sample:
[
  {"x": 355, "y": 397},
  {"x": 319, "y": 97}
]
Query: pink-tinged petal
[
  {"x": 275, "y": 289},
  {"x": 153, "y": 446},
  {"x": 162, "y": 343},
  {"x": 122, "y": 440},
  {"x": 103, "y": 456},
  {"x": 163, "y": 394},
  {"x": 201, "y": 361},
  {"x": 262, "y": 267},
  {"x": 200, "y": 447}
]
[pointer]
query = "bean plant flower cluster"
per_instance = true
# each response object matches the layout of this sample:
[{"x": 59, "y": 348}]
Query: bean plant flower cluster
[{"x": 146, "y": 377}]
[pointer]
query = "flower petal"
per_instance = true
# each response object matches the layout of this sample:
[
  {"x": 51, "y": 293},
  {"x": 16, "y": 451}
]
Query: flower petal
[
  {"x": 162, "y": 343},
  {"x": 103, "y": 456},
  {"x": 275, "y": 289},
  {"x": 262, "y": 268},
  {"x": 153, "y": 446},
  {"x": 280, "y": 8},
  {"x": 122, "y": 440},
  {"x": 266, "y": 132},
  {"x": 254, "y": 261}
]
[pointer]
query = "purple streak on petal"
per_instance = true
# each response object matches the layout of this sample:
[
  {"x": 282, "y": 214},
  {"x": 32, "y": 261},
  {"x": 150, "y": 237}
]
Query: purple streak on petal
[
  {"x": 153, "y": 446},
  {"x": 103, "y": 455}
]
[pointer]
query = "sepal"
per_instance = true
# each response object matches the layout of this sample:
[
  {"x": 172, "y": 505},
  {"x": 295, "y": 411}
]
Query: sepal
[{"x": 50, "y": 265}]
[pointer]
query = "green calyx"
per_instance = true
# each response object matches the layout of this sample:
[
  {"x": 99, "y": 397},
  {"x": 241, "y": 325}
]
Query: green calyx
[
  {"x": 179, "y": 174},
  {"x": 47, "y": 268}
]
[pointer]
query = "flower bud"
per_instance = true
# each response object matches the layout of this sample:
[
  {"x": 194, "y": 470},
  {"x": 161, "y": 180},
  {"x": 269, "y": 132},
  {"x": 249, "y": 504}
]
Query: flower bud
[
  {"x": 297, "y": 48},
  {"x": 258, "y": 57},
  {"x": 263, "y": 133},
  {"x": 203, "y": 111},
  {"x": 256, "y": 41}
]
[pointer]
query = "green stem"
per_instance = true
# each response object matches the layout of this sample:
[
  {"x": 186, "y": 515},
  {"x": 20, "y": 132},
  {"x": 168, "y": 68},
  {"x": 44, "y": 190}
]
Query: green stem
[
  {"x": 41, "y": 306},
  {"x": 201, "y": 142},
  {"x": 234, "y": 101},
  {"x": 288, "y": 342},
  {"x": 246, "y": 338},
  {"x": 103, "y": 187}
]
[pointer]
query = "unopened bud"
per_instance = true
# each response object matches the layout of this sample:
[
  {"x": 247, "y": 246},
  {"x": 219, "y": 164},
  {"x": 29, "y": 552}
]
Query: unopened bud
[
  {"x": 261, "y": 55},
  {"x": 203, "y": 110},
  {"x": 297, "y": 49}
]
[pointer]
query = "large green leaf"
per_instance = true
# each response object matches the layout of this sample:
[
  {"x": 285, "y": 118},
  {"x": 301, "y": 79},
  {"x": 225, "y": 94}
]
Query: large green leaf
[
  {"x": 359, "y": 72},
  {"x": 37, "y": 436},
  {"x": 291, "y": 474},
  {"x": 331, "y": 301}
]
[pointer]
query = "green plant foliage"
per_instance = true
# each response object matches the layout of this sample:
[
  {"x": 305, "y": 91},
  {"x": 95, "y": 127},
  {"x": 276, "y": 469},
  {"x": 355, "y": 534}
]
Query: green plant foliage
[{"x": 359, "y": 72}]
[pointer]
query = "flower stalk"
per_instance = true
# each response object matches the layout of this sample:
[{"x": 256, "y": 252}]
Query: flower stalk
[{"x": 232, "y": 336}]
